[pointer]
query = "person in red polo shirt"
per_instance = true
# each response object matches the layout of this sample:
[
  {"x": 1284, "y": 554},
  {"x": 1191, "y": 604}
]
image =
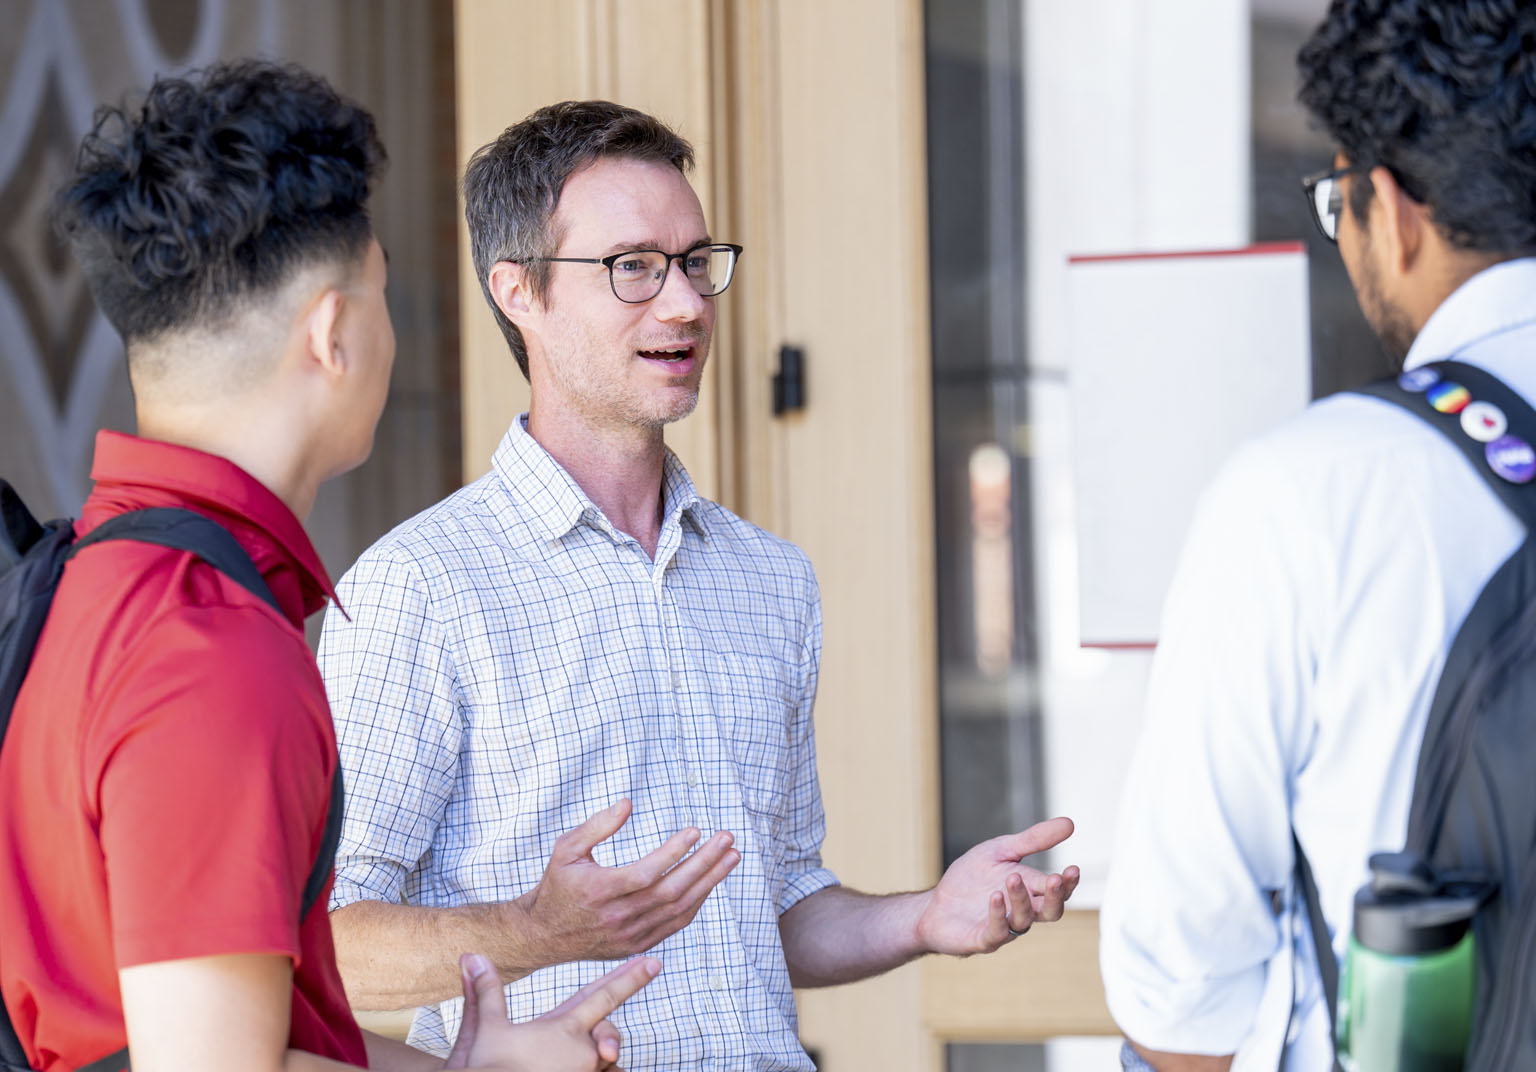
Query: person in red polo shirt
[{"x": 166, "y": 777}]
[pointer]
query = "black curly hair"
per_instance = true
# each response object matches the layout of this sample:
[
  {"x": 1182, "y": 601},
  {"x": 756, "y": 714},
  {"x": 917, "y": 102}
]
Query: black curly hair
[
  {"x": 1443, "y": 94},
  {"x": 213, "y": 190}
]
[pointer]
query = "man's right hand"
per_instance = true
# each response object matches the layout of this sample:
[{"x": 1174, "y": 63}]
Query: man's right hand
[
  {"x": 585, "y": 911},
  {"x": 575, "y": 1036}
]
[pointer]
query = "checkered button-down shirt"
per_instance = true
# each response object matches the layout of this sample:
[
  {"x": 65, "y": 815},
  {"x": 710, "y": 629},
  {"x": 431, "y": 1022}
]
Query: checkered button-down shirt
[{"x": 513, "y": 664}]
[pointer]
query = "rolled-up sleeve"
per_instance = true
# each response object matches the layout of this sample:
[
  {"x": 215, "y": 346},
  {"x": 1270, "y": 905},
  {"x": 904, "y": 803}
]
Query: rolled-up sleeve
[
  {"x": 806, "y": 823},
  {"x": 391, "y": 684},
  {"x": 1188, "y": 923}
]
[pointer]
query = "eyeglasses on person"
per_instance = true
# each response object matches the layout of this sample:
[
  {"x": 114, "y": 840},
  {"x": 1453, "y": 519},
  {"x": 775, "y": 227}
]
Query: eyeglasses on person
[
  {"x": 1325, "y": 197},
  {"x": 637, "y": 275}
]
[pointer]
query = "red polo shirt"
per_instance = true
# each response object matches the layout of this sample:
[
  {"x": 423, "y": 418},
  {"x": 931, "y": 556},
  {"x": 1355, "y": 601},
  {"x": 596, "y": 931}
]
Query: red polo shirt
[{"x": 166, "y": 774}]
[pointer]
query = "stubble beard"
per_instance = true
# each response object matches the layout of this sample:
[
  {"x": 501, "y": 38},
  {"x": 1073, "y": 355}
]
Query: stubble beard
[
  {"x": 611, "y": 399},
  {"x": 1386, "y": 319}
]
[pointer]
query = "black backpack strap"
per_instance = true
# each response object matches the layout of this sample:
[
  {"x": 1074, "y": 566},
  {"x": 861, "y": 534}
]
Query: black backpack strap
[
  {"x": 184, "y": 530},
  {"x": 112, "y": 1062},
  {"x": 326, "y": 859},
  {"x": 1327, "y": 963},
  {"x": 1508, "y": 596},
  {"x": 19, "y": 530},
  {"x": 1483, "y": 387}
]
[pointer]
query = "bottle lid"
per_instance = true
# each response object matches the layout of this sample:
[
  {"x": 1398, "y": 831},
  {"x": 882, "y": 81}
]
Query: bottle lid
[{"x": 1406, "y": 912}]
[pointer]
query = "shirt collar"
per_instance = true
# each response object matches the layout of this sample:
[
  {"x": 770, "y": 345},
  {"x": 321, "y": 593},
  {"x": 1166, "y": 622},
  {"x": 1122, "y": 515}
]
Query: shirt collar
[
  {"x": 555, "y": 503},
  {"x": 1492, "y": 301},
  {"x": 133, "y": 473}
]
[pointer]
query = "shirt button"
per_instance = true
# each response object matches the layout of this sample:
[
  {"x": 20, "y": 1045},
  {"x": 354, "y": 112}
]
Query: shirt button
[
  {"x": 677, "y": 681},
  {"x": 693, "y": 778},
  {"x": 717, "y": 982}
]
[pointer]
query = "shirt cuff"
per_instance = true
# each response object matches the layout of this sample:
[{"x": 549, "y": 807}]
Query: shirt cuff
[
  {"x": 1130, "y": 1060},
  {"x": 802, "y": 884},
  {"x": 1212, "y": 1016},
  {"x": 364, "y": 883}
]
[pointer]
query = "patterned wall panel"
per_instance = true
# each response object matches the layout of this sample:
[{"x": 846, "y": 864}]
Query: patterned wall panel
[
  {"x": 61, "y": 366},
  {"x": 62, "y": 374}
]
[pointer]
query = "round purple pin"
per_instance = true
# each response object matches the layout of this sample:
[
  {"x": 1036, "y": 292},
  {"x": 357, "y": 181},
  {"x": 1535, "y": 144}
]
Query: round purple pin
[
  {"x": 1419, "y": 379},
  {"x": 1512, "y": 458}
]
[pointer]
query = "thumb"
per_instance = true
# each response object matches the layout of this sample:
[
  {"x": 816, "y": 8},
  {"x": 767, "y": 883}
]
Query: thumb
[
  {"x": 472, "y": 968},
  {"x": 578, "y": 842},
  {"x": 483, "y": 997},
  {"x": 1038, "y": 838}
]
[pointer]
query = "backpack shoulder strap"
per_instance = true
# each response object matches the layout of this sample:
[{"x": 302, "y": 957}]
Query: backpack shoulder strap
[
  {"x": 1505, "y": 467},
  {"x": 1452, "y": 397},
  {"x": 184, "y": 530},
  {"x": 1327, "y": 963}
]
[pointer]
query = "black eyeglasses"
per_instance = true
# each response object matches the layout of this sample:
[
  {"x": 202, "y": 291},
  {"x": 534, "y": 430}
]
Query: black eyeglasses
[
  {"x": 1326, "y": 199},
  {"x": 637, "y": 275}
]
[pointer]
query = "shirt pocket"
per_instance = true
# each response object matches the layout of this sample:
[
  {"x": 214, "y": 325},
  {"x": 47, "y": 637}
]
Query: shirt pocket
[{"x": 755, "y": 712}]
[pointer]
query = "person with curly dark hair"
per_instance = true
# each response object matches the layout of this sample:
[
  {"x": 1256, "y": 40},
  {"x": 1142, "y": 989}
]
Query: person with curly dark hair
[
  {"x": 1332, "y": 565},
  {"x": 170, "y": 764}
]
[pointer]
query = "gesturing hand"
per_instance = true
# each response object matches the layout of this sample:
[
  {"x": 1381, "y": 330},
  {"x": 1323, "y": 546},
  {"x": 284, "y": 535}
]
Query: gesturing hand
[
  {"x": 589, "y": 912},
  {"x": 987, "y": 890},
  {"x": 575, "y": 1036}
]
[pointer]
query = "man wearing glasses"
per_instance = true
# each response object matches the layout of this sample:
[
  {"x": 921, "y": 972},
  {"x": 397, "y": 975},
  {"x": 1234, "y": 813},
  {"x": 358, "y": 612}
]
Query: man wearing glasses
[
  {"x": 1334, "y": 560},
  {"x": 578, "y": 642}
]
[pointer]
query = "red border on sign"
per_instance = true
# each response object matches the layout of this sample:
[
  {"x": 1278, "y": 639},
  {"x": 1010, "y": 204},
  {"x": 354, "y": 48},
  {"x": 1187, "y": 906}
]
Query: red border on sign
[{"x": 1247, "y": 251}]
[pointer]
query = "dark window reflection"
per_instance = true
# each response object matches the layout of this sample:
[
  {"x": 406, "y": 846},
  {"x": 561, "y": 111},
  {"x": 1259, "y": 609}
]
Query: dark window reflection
[
  {"x": 989, "y": 709},
  {"x": 1285, "y": 147}
]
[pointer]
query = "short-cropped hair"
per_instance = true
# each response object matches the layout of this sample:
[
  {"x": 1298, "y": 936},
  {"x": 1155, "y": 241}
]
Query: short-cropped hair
[
  {"x": 213, "y": 190},
  {"x": 512, "y": 185},
  {"x": 1443, "y": 94}
]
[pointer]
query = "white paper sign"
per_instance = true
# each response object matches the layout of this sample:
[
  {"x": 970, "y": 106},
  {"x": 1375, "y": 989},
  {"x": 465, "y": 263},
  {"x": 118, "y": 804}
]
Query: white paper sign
[{"x": 1174, "y": 360}]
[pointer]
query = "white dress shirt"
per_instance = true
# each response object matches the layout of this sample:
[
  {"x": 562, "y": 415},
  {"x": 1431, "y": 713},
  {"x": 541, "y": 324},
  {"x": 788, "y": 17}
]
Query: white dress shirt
[
  {"x": 1324, "y": 578},
  {"x": 513, "y": 664}
]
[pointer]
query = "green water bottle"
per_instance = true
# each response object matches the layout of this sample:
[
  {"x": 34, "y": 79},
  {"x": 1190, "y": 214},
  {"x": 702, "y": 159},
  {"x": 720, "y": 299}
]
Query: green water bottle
[{"x": 1405, "y": 995}]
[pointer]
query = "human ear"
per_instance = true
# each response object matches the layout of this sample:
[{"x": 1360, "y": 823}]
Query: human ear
[
  {"x": 1403, "y": 222},
  {"x": 508, "y": 284},
  {"x": 323, "y": 336}
]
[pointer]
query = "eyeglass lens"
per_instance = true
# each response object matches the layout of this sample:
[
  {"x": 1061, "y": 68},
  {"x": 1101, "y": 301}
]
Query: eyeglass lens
[
  {"x": 639, "y": 276},
  {"x": 1326, "y": 202}
]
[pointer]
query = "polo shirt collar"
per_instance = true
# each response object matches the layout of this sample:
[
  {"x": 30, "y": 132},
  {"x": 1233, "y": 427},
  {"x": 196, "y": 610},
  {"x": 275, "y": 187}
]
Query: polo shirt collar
[
  {"x": 552, "y": 503},
  {"x": 132, "y": 473},
  {"x": 1494, "y": 300}
]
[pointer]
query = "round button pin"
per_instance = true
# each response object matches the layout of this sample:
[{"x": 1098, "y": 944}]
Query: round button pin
[
  {"x": 1483, "y": 421},
  {"x": 1448, "y": 397},
  {"x": 1419, "y": 379},
  {"x": 1512, "y": 458}
]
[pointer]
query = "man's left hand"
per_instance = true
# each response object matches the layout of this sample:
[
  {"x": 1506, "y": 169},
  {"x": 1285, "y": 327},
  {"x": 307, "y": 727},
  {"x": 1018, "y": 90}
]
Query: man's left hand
[{"x": 987, "y": 897}]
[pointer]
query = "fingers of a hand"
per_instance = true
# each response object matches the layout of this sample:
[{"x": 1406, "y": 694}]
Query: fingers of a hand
[
  {"x": 594, "y": 1002},
  {"x": 672, "y": 916},
  {"x": 577, "y": 842},
  {"x": 997, "y": 920},
  {"x": 607, "y": 1038},
  {"x": 649, "y": 869},
  {"x": 1069, "y": 879},
  {"x": 1022, "y": 910},
  {"x": 685, "y": 877},
  {"x": 1038, "y": 838},
  {"x": 1054, "y": 902}
]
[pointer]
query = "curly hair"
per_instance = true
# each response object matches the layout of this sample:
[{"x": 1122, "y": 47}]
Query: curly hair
[
  {"x": 1443, "y": 94},
  {"x": 512, "y": 185},
  {"x": 213, "y": 190}
]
